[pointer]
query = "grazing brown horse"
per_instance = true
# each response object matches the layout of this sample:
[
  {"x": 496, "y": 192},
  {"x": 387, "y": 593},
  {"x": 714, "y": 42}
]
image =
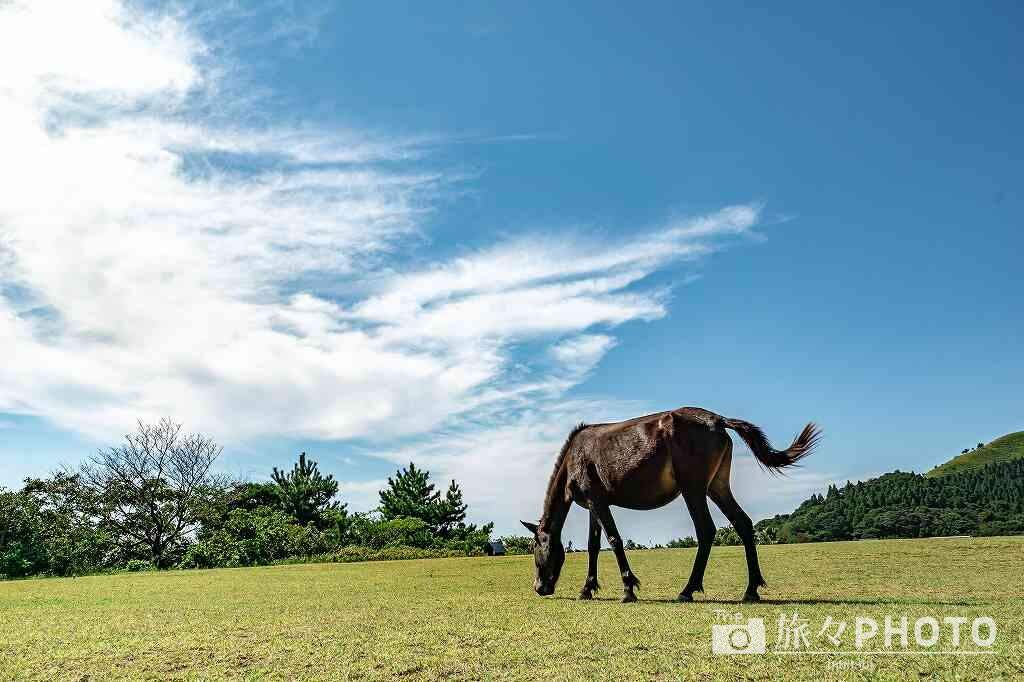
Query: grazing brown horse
[{"x": 645, "y": 463}]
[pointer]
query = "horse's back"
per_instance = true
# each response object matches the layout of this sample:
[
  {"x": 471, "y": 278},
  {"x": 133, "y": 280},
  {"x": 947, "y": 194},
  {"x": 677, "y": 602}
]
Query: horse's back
[{"x": 645, "y": 462}]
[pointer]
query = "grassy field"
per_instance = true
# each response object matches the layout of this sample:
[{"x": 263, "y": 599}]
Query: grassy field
[{"x": 478, "y": 618}]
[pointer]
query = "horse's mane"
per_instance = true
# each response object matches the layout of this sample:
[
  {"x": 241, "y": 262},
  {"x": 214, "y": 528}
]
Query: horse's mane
[{"x": 558, "y": 462}]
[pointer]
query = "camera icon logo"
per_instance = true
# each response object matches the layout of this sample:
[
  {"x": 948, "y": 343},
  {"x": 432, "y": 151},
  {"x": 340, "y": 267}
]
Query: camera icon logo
[{"x": 734, "y": 639}]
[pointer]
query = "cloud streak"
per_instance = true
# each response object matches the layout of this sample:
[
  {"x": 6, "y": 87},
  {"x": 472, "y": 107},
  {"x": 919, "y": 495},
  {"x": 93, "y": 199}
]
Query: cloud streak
[{"x": 250, "y": 280}]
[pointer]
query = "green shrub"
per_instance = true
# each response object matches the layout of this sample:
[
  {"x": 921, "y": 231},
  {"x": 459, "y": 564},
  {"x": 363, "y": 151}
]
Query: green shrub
[
  {"x": 727, "y": 535},
  {"x": 374, "y": 532},
  {"x": 22, "y": 537},
  {"x": 403, "y": 531},
  {"x": 517, "y": 544},
  {"x": 357, "y": 553},
  {"x": 472, "y": 544},
  {"x": 678, "y": 543},
  {"x": 250, "y": 538},
  {"x": 137, "y": 565}
]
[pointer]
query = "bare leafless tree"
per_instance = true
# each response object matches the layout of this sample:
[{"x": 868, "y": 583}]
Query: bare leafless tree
[{"x": 152, "y": 490}]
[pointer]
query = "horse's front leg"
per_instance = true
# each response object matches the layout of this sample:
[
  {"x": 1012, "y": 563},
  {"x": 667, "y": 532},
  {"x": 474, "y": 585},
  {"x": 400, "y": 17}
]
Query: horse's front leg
[
  {"x": 629, "y": 581},
  {"x": 594, "y": 551}
]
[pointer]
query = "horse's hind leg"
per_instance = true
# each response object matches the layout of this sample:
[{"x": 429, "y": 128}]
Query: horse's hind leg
[
  {"x": 629, "y": 581},
  {"x": 594, "y": 551},
  {"x": 721, "y": 494},
  {"x": 697, "y": 503}
]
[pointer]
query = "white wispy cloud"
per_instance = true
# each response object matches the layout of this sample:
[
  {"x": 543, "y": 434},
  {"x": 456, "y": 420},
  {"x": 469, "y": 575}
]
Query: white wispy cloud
[
  {"x": 248, "y": 280},
  {"x": 581, "y": 353}
]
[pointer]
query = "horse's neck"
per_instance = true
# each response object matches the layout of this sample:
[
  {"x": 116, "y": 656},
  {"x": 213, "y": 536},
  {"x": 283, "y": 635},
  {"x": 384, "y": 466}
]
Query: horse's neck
[{"x": 556, "y": 507}]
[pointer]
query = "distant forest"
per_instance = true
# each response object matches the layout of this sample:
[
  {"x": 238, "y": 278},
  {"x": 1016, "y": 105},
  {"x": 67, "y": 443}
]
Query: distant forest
[{"x": 984, "y": 501}]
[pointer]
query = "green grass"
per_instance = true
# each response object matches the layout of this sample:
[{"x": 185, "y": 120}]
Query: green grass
[
  {"x": 477, "y": 618},
  {"x": 1004, "y": 449}
]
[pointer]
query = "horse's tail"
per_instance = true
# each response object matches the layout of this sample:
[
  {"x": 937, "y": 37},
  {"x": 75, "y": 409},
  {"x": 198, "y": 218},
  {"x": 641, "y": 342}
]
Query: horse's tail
[{"x": 768, "y": 456}]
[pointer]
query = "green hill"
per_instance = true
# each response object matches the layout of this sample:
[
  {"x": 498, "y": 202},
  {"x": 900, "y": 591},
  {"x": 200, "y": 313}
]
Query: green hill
[
  {"x": 981, "y": 492},
  {"x": 1004, "y": 449},
  {"x": 988, "y": 500}
]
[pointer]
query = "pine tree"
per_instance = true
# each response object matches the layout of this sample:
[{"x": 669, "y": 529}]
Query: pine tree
[
  {"x": 411, "y": 494},
  {"x": 451, "y": 511},
  {"x": 305, "y": 493}
]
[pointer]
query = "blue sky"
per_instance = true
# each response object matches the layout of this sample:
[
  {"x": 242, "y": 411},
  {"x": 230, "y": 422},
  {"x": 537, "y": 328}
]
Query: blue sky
[{"x": 447, "y": 233}]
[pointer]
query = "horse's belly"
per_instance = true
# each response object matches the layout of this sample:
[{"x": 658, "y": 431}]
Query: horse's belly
[
  {"x": 644, "y": 504},
  {"x": 651, "y": 487}
]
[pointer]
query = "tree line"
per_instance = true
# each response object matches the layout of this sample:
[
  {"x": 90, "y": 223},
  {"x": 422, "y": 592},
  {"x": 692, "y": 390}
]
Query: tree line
[
  {"x": 984, "y": 501},
  {"x": 155, "y": 502}
]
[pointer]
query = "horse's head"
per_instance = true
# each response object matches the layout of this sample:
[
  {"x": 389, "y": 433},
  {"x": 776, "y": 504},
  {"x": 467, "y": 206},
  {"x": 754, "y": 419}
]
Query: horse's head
[{"x": 548, "y": 555}]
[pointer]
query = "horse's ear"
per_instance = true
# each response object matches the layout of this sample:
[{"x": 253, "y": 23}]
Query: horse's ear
[{"x": 532, "y": 527}]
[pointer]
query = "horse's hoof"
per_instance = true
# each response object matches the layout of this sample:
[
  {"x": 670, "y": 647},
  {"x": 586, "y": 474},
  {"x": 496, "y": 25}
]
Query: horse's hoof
[
  {"x": 628, "y": 597},
  {"x": 751, "y": 597},
  {"x": 586, "y": 595},
  {"x": 684, "y": 597}
]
